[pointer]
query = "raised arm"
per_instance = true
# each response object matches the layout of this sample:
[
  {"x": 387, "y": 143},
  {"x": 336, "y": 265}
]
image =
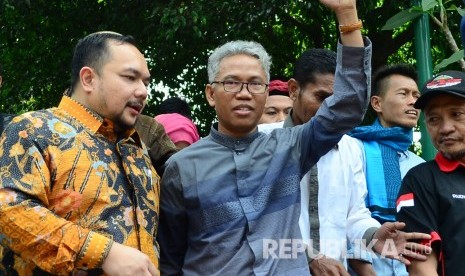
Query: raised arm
[{"x": 346, "y": 13}]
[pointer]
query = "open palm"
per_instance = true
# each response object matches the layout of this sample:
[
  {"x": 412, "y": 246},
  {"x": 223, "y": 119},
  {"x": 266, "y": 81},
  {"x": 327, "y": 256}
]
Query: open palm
[{"x": 338, "y": 5}]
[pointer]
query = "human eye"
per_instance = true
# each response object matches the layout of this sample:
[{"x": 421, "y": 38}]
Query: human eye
[
  {"x": 432, "y": 120},
  {"x": 458, "y": 115},
  {"x": 230, "y": 82},
  {"x": 256, "y": 87},
  {"x": 271, "y": 113},
  {"x": 129, "y": 77},
  {"x": 231, "y": 86},
  {"x": 255, "y": 84}
]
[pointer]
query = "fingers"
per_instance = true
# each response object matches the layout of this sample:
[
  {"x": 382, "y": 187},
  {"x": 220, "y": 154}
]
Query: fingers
[
  {"x": 153, "y": 270},
  {"x": 402, "y": 258},
  {"x": 419, "y": 248},
  {"x": 413, "y": 255},
  {"x": 417, "y": 236},
  {"x": 343, "y": 272},
  {"x": 399, "y": 225}
]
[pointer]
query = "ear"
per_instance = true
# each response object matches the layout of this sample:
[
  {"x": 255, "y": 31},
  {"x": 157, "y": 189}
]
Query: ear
[
  {"x": 210, "y": 95},
  {"x": 376, "y": 104},
  {"x": 294, "y": 88},
  {"x": 87, "y": 76}
]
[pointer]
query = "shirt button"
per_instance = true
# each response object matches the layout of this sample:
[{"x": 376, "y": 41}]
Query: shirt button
[{"x": 238, "y": 143}]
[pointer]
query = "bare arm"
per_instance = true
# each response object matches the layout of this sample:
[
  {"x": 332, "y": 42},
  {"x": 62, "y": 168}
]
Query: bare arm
[
  {"x": 327, "y": 266},
  {"x": 124, "y": 260},
  {"x": 425, "y": 268}
]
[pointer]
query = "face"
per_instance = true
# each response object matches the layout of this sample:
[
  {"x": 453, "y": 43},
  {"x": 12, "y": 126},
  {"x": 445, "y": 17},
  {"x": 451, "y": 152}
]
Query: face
[
  {"x": 119, "y": 92},
  {"x": 445, "y": 120},
  {"x": 395, "y": 107},
  {"x": 309, "y": 98},
  {"x": 276, "y": 109},
  {"x": 238, "y": 113}
]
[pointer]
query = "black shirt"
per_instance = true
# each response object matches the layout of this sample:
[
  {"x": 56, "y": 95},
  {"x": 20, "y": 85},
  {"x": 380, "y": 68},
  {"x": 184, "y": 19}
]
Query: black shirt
[{"x": 432, "y": 200}]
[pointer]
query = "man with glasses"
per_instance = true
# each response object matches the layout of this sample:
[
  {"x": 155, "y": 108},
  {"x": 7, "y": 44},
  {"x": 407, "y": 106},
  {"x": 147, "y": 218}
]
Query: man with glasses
[{"x": 230, "y": 203}]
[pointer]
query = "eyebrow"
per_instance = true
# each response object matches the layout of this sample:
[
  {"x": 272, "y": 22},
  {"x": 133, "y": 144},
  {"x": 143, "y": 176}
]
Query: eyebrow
[
  {"x": 323, "y": 93},
  {"x": 137, "y": 73},
  {"x": 252, "y": 78}
]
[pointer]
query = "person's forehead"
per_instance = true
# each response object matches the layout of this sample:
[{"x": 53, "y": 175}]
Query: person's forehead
[
  {"x": 444, "y": 101},
  {"x": 397, "y": 80},
  {"x": 240, "y": 60}
]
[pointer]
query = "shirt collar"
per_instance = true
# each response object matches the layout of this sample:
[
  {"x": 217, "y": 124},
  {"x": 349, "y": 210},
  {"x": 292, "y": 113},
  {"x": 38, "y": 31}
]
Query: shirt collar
[
  {"x": 94, "y": 122},
  {"x": 230, "y": 142},
  {"x": 447, "y": 165}
]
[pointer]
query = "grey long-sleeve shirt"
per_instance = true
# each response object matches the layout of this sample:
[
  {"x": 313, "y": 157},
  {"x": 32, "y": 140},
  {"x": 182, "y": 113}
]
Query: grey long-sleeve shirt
[{"x": 231, "y": 206}]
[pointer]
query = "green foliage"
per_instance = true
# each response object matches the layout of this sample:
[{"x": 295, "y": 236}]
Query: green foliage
[
  {"x": 402, "y": 17},
  {"x": 452, "y": 59},
  {"x": 37, "y": 38},
  {"x": 440, "y": 48}
]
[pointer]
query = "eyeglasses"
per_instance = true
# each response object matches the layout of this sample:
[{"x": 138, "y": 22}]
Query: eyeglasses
[{"x": 236, "y": 86}]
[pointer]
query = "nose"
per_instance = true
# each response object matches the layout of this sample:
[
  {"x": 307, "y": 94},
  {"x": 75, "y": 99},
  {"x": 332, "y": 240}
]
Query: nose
[
  {"x": 141, "y": 91},
  {"x": 446, "y": 127},
  {"x": 281, "y": 116},
  {"x": 244, "y": 93},
  {"x": 412, "y": 99}
]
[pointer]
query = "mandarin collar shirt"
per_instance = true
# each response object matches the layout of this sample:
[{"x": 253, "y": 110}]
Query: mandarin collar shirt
[{"x": 231, "y": 206}]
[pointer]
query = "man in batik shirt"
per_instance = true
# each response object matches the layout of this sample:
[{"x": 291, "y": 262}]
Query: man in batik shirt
[{"x": 77, "y": 190}]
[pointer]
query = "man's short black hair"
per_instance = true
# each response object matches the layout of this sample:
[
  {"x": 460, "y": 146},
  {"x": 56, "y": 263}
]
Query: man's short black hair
[
  {"x": 381, "y": 77},
  {"x": 93, "y": 51},
  {"x": 313, "y": 62},
  {"x": 174, "y": 105}
]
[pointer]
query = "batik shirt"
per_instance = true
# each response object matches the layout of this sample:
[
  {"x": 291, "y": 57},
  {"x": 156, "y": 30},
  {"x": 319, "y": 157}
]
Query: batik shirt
[{"x": 69, "y": 188}]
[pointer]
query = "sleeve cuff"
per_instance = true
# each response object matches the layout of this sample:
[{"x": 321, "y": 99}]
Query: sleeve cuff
[
  {"x": 369, "y": 233},
  {"x": 94, "y": 251},
  {"x": 354, "y": 57},
  {"x": 312, "y": 254}
]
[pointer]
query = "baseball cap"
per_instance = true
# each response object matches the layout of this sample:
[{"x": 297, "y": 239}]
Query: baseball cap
[{"x": 447, "y": 82}]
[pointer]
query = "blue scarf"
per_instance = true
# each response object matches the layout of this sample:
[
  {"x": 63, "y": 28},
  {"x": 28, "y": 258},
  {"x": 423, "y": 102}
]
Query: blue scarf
[{"x": 382, "y": 166}]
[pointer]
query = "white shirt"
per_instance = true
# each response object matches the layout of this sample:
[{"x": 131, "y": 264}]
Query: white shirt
[{"x": 341, "y": 198}]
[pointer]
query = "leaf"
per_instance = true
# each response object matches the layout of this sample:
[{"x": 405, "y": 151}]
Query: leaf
[
  {"x": 453, "y": 58},
  {"x": 459, "y": 10},
  {"x": 402, "y": 17},
  {"x": 426, "y": 5}
]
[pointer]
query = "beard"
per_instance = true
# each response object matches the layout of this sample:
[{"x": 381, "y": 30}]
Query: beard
[
  {"x": 122, "y": 125},
  {"x": 455, "y": 155}
]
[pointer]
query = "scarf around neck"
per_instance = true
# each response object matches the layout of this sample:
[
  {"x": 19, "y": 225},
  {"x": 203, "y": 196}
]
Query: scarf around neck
[{"x": 382, "y": 146}]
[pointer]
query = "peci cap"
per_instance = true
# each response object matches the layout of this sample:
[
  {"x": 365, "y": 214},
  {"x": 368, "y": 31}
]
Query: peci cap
[
  {"x": 447, "y": 82},
  {"x": 278, "y": 88}
]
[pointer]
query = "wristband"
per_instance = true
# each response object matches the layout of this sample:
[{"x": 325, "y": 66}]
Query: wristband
[{"x": 351, "y": 27}]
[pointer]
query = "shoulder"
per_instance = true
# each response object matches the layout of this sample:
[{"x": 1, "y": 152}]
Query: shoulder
[
  {"x": 423, "y": 170},
  {"x": 350, "y": 144},
  {"x": 197, "y": 150},
  {"x": 267, "y": 128},
  {"x": 414, "y": 157}
]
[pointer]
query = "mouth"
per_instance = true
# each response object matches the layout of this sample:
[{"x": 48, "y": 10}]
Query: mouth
[
  {"x": 136, "y": 106},
  {"x": 412, "y": 112},
  {"x": 447, "y": 141},
  {"x": 243, "y": 109}
]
